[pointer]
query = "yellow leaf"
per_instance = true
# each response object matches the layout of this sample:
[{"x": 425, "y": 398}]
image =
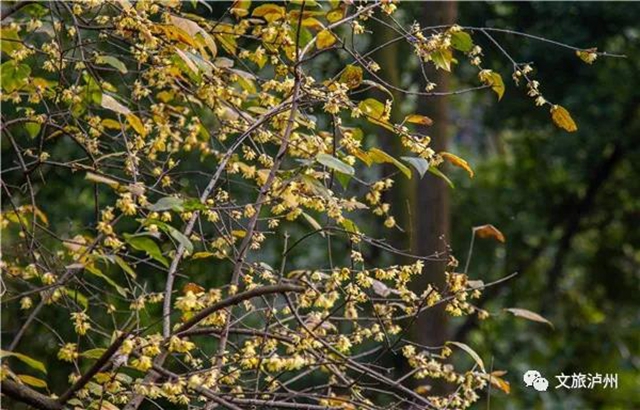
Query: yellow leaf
[
  {"x": 325, "y": 39},
  {"x": 562, "y": 118},
  {"x": 423, "y": 389},
  {"x": 378, "y": 156},
  {"x": 32, "y": 381},
  {"x": 494, "y": 80},
  {"x": 111, "y": 124},
  {"x": 418, "y": 119},
  {"x": 442, "y": 59},
  {"x": 335, "y": 15},
  {"x": 312, "y": 22},
  {"x": 239, "y": 233},
  {"x": 458, "y": 162},
  {"x": 136, "y": 124},
  {"x": 496, "y": 381},
  {"x": 489, "y": 231},
  {"x": 352, "y": 76},
  {"x": 269, "y": 12},
  {"x": 240, "y": 8},
  {"x": 202, "y": 255}
]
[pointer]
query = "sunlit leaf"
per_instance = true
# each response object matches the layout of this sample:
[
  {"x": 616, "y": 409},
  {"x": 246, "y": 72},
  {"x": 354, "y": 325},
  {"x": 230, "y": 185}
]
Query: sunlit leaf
[
  {"x": 379, "y": 156},
  {"x": 442, "y": 59},
  {"x": 494, "y": 80},
  {"x": 325, "y": 39},
  {"x": 32, "y": 381},
  {"x": 458, "y": 162},
  {"x": 418, "y": 119},
  {"x": 351, "y": 76},
  {"x": 562, "y": 118},
  {"x": 136, "y": 124},
  {"x": 489, "y": 231},
  {"x": 269, "y": 12}
]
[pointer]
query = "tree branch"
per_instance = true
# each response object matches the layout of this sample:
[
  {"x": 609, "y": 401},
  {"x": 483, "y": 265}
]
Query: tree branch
[{"x": 29, "y": 396}]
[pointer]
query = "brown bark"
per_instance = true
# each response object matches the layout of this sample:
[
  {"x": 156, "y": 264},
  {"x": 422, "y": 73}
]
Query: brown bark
[{"x": 430, "y": 205}]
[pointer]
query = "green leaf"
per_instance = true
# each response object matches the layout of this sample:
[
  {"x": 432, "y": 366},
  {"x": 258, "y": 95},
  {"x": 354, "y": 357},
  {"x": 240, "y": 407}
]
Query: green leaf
[
  {"x": 33, "y": 363},
  {"x": 93, "y": 353},
  {"x": 470, "y": 352},
  {"x": 147, "y": 245},
  {"x": 349, "y": 225},
  {"x": 13, "y": 76},
  {"x": 33, "y": 129},
  {"x": 125, "y": 266},
  {"x": 9, "y": 40},
  {"x": 113, "y": 62},
  {"x": 334, "y": 163},
  {"x": 168, "y": 203},
  {"x": 372, "y": 108},
  {"x": 378, "y": 156},
  {"x": 420, "y": 164},
  {"x": 174, "y": 233},
  {"x": 375, "y": 112},
  {"x": 97, "y": 272},
  {"x": 77, "y": 297},
  {"x": 32, "y": 381},
  {"x": 435, "y": 171},
  {"x": 313, "y": 223},
  {"x": 442, "y": 59},
  {"x": 461, "y": 41},
  {"x": 343, "y": 179}
]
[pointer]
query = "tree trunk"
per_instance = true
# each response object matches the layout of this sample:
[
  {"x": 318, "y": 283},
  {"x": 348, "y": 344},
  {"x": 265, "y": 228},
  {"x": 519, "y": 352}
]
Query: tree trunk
[{"x": 430, "y": 207}]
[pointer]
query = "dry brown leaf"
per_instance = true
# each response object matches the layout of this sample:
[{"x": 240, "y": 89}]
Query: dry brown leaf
[
  {"x": 192, "y": 287},
  {"x": 489, "y": 231},
  {"x": 527, "y": 314}
]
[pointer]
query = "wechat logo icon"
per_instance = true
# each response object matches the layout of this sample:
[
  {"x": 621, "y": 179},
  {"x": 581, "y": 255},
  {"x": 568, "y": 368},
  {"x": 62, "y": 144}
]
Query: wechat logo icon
[{"x": 533, "y": 378}]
